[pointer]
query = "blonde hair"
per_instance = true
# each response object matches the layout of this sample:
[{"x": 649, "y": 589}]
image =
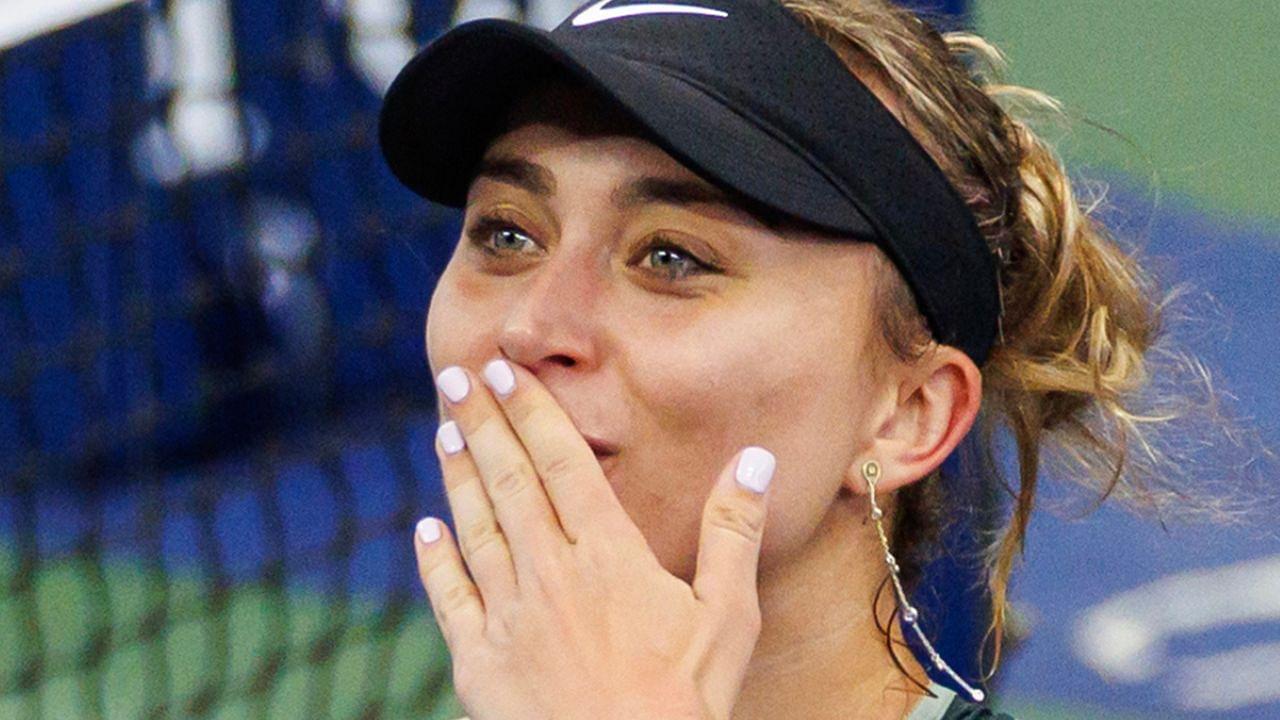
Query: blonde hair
[{"x": 1077, "y": 376}]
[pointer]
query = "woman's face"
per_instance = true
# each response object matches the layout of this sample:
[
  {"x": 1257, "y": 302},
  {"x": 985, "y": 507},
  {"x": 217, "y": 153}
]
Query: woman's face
[{"x": 668, "y": 324}]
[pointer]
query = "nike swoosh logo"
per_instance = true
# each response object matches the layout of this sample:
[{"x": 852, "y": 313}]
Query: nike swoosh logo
[{"x": 597, "y": 12}]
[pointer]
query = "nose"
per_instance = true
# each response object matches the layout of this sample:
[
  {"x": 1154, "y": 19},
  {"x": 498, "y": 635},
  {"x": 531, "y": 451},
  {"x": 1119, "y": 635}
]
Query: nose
[{"x": 551, "y": 322}]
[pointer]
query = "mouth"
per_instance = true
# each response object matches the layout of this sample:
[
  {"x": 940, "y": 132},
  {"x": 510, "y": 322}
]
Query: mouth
[
  {"x": 600, "y": 447},
  {"x": 604, "y": 451},
  {"x": 604, "y": 459}
]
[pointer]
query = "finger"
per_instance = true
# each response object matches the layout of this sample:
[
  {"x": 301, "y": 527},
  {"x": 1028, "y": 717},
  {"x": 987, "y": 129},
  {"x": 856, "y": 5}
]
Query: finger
[
  {"x": 483, "y": 545},
  {"x": 519, "y": 503},
  {"x": 570, "y": 473},
  {"x": 732, "y": 530},
  {"x": 455, "y": 602}
]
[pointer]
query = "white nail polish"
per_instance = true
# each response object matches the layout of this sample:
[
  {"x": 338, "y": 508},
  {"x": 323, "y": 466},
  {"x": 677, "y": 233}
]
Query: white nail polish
[
  {"x": 755, "y": 469},
  {"x": 498, "y": 375},
  {"x": 450, "y": 437},
  {"x": 452, "y": 381},
  {"x": 428, "y": 530}
]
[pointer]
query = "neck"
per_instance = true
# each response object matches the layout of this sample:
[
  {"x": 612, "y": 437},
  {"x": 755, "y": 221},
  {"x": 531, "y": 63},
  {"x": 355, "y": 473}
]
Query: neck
[{"x": 820, "y": 654}]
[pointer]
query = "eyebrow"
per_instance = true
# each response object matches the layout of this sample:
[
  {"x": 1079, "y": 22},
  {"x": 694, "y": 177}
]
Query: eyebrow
[
  {"x": 538, "y": 180},
  {"x": 651, "y": 189},
  {"x": 521, "y": 173}
]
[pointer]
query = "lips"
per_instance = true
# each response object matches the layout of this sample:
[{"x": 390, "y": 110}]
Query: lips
[
  {"x": 607, "y": 460},
  {"x": 601, "y": 448}
]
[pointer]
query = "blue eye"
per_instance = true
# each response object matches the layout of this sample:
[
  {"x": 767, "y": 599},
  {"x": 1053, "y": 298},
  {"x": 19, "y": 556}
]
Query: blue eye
[
  {"x": 498, "y": 237},
  {"x": 510, "y": 239},
  {"x": 672, "y": 262}
]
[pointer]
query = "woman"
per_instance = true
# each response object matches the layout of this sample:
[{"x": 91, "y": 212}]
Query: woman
[{"x": 702, "y": 243}]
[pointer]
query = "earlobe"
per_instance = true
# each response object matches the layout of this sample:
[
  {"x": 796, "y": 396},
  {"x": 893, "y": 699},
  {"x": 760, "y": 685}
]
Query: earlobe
[{"x": 937, "y": 405}]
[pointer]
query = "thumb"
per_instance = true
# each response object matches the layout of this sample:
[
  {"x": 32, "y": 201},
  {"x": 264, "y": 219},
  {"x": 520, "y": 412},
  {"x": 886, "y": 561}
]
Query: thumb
[{"x": 732, "y": 527}]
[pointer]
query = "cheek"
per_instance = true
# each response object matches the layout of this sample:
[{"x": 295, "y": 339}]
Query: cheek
[
  {"x": 454, "y": 320},
  {"x": 705, "y": 395},
  {"x": 720, "y": 392}
]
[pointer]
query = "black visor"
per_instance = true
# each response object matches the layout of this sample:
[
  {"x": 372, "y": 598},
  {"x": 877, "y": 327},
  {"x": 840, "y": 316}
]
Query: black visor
[{"x": 741, "y": 93}]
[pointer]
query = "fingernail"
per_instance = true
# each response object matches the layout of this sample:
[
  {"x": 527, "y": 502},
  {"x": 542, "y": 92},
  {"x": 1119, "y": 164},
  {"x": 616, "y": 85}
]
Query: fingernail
[
  {"x": 450, "y": 437},
  {"x": 428, "y": 530},
  {"x": 755, "y": 469},
  {"x": 498, "y": 375},
  {"x": 452, "y": 381}
]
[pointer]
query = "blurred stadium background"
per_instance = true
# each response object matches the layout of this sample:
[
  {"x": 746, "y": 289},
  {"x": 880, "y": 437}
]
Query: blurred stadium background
[{"x": 216, "y": 418}]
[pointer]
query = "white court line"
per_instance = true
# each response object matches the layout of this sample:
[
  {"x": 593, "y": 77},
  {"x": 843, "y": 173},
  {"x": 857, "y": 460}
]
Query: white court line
[
  {"x": 21, "y": 20},
  {"x": 1228, "y": 680},
  {"x": 1126, "y": 638}
]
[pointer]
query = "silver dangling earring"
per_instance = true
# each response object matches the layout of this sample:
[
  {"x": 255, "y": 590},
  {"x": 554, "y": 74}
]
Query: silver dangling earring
[{"x": 911, "y": 616}]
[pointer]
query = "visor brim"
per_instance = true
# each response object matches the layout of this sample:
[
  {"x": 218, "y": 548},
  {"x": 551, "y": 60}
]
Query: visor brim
[{"x": 448, "y": 104}]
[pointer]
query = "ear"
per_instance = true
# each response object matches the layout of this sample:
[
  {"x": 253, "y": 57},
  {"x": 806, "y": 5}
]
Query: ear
[{"x": 935, "y": 405}]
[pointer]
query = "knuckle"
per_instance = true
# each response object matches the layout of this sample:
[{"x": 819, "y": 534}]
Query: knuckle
[
  {"x": 598, "y": 549},
  {"x": 504, "y": 622},
  {"x": 561, "y": 466},
  {"x": 598, "y": 554},
  {"x": 477, "y": 535},
  {"x": 741, "y": 519},
  {"x": 450, "y": 600},
  {"x": 512, "y": 480},
  {"x": 549, "y": 574}
]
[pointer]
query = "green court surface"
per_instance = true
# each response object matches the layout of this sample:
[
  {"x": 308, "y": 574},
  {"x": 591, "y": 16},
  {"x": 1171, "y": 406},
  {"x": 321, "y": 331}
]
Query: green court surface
[
  {"x": 276, "y": 662},
  {"x": 124, "y": 642},
  {"x": 1193, "y": 84}
]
